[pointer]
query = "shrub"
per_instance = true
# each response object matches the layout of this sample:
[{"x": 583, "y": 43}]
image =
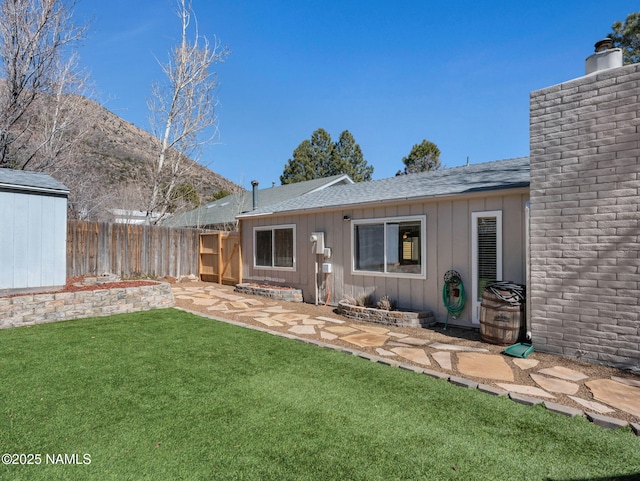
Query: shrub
[
  {"x": 386, "y": 303},
  {"x": 349, "y": 300},
  {"x": 365, "y": 300}
]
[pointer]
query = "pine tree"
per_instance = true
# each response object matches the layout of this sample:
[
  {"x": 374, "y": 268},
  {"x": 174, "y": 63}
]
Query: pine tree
[
  {"x": 423, "y": 157},
  {"x": 347, "y": 159},
  {"x": 627, "y": 37},
  {"x": 320, "y": 157},
  {"x": 309, "y": 159}
]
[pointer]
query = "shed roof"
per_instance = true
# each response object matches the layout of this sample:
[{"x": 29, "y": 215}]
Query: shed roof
[
  {"x": 225, "y": 210},
  {"x": 30, "y": 181},
  {"x": 487, "y": 176}
]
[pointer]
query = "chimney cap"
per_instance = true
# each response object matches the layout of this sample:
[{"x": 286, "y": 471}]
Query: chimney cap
[
  {"x": 604, "y": 44},
  {"x": 604, "y": 58}
]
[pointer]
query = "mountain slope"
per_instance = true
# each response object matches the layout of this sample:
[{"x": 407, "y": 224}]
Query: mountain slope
[
  {"x": 123, "y": 152},
  {"x": 111, "y": 163}
]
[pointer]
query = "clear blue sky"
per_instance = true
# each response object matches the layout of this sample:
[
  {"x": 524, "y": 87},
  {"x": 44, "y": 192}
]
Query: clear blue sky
[{"x": 457, "y": 73}]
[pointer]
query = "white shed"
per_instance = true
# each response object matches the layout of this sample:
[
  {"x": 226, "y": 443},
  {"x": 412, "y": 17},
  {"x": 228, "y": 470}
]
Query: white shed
[{"x": 33, "y": 231}]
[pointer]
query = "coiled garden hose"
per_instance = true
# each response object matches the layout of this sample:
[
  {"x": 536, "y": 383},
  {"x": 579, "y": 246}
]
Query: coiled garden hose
[
  {"x": 452, "y": 283},
  {"x": 509, "y": 292}
]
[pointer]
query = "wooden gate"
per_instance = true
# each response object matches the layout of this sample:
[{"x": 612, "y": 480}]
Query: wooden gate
[{"x": 221, "y": 258}]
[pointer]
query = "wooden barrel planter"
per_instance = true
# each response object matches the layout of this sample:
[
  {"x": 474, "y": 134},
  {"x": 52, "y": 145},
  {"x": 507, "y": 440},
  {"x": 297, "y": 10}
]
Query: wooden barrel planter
[{"x": 500, "y": 321}]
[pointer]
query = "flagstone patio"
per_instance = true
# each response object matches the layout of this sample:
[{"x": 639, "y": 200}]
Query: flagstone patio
[{"x": 617, "y": 395}]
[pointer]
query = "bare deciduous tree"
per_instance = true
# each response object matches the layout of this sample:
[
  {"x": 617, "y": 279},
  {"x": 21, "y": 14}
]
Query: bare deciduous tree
[
  {"x": 182, "y": 109},
  {"x": 60, "y": 124},
  {"x": 40, "y": 74},
  {"x": 85, "y": 201}
]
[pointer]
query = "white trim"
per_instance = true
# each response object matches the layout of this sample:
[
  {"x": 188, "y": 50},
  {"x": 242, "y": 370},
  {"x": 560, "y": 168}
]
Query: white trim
[
  {"x": 34, "y": 189},
  {"x": 342, "y": 178},
  {"x": 475, "y": 302},
  {"x": 272, "y": 228},
  {"x": 385, "y": 220}
]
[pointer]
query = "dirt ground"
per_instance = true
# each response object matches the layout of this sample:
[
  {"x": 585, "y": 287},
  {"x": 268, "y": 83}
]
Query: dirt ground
[
  {"x": 452, "y": 335},
  {"x": 76, "y": 284}
]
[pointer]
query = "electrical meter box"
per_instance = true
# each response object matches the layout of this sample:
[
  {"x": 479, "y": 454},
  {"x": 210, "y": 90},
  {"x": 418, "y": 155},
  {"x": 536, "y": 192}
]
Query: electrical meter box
[{"x": 318, "y": 242}]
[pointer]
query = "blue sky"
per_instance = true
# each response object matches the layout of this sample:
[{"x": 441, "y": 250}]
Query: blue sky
[{"x": 457, "y": 73}]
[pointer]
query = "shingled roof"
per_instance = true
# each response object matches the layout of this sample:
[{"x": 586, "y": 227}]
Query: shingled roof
[
  {"x": 488, "y": 176},
  {"x": 224, "y": 211},
  {"x": 30, "y": 181}
]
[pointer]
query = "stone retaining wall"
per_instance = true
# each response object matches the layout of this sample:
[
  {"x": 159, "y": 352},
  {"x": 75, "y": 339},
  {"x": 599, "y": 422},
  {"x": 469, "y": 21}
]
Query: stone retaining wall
[
  {"x": 280, "y": 294},
  {"x": 62, "y": 306},
  {"x": 388, "y": 318}
]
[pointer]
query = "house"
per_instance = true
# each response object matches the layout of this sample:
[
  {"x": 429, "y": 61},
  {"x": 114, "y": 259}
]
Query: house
[
  {"x": 569, "y": 212},
  {"x": 33, "y": 215},
  {"x": 221, "y": 214},
  {"x": 138, "y": 217},
  {"x": 396, "y": 237}
]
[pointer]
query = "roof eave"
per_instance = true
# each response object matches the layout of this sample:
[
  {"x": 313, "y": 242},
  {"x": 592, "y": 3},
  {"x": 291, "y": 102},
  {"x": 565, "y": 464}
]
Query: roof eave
[{"x": 31, "y": 188}]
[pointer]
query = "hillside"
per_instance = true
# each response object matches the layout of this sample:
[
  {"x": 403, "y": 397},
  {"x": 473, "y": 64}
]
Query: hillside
[{"x": 109, "y": 168}]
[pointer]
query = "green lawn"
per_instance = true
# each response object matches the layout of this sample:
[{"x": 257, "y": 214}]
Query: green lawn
[{"x": 166, "y": 395}]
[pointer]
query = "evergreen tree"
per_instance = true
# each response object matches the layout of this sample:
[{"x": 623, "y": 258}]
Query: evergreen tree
[
  {"x": 321, "y": 152},
  {"x": 347, "y": 159},
  {"x": 183, "y": 197},
  {"x": 309, "y": 159},
  {"x": 627, "y": 37},
  {"x": 220, "y": 195},
  {"x": 320, "y": 157},
  {"x": 423, "y": 157}
]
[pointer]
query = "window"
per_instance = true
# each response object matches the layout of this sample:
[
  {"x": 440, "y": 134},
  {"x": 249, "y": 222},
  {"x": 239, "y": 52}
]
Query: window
[
  {"x": 393, "y": 246},
  {"x": 486, "y": 254},
  {"x": 274, "y": 247}
]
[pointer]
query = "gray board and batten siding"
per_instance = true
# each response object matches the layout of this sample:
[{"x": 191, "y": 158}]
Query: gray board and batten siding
[
  {"x": 33, "y": 216},
  {"x": 445, "y": 200}
]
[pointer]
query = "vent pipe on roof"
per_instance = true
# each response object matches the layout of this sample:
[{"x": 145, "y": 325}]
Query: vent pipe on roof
[
  {"x": 606, "y": 57},
  {"x": 254, "y": 184}
]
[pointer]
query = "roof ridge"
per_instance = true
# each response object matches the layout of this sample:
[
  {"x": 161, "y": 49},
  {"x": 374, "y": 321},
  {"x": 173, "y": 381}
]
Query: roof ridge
[{"x": 458, "y": 180}]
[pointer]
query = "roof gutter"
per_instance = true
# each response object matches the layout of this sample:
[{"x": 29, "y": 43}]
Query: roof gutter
[{"x": 30, "y": 188}]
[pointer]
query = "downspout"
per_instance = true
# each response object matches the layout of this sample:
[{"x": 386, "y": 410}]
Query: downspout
[
  {"x": 315, "y": 279},
  {"x": 527, "y": 255}
]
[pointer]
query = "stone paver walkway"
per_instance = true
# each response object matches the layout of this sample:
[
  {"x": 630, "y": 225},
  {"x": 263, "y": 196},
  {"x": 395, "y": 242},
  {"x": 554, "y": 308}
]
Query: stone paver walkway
[{"x": 596, "y": 395}]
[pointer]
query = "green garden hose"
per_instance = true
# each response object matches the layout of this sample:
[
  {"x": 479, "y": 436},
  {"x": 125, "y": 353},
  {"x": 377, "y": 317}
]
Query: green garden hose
[{"x": 453, "y": 282}]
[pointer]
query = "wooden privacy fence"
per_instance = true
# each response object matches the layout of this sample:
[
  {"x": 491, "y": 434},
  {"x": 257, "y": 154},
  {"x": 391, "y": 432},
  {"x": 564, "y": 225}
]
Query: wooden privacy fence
[
  {"x": 131, "y": 250},
  {"x": 221, "y": 257}
]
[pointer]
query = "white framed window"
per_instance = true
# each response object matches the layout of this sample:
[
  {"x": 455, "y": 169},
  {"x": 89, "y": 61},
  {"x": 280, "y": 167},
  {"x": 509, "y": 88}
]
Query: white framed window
[
  {"x": 486, "y": 254},
  {"x": 393, "y": 246},
  {"x": 274, "y": 247}
]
